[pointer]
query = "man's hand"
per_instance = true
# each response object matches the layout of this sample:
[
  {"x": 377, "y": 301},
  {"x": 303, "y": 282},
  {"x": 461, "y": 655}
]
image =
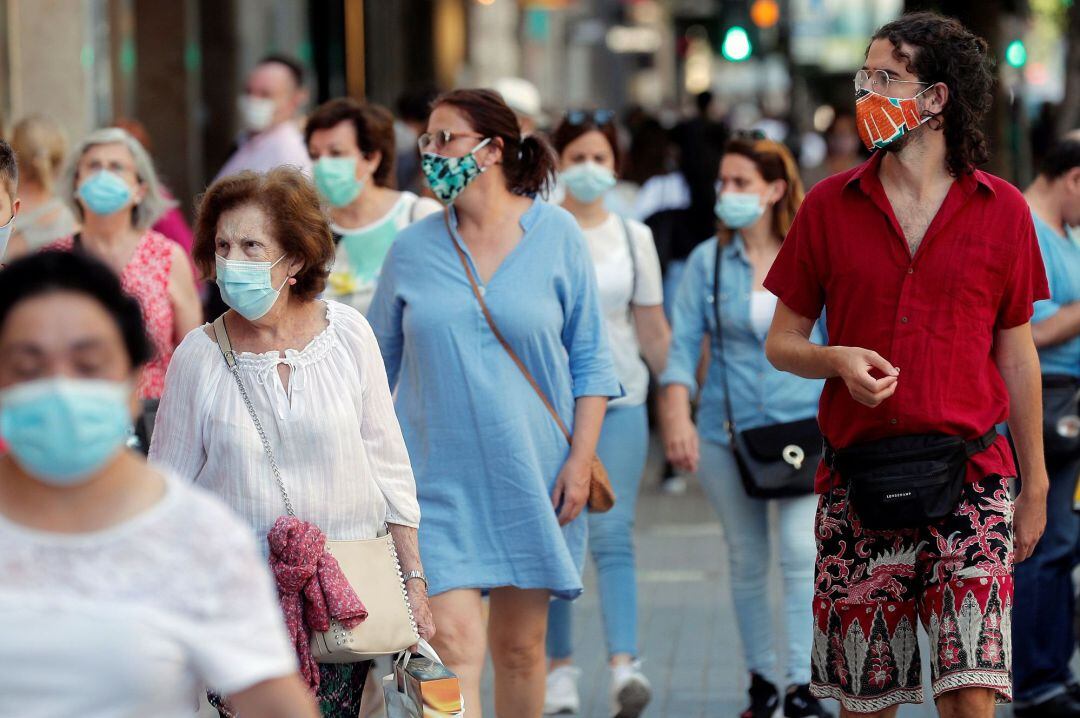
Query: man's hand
[
  {"x": 854, "y": 365},
  {"x": 1029, "y": 520}
]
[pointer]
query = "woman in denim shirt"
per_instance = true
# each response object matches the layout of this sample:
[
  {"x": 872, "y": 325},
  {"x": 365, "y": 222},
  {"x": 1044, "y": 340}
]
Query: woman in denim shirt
[{"x": 760, "y": 193}]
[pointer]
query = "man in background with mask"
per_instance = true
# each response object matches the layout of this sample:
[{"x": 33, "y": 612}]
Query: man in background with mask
[
  {"x": 1043, "y": 636},
  {"x": 927, "y": 269},
  {"x": 272, "y": 97}
]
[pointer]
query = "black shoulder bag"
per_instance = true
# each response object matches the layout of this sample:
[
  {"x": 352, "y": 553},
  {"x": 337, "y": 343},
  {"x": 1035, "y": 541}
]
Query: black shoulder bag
[{"x": 774, "y": 461}]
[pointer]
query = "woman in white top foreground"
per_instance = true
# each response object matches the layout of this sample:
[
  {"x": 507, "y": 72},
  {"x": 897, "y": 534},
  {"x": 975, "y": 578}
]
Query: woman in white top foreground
[
  {"x": 315, "y": 377},
  {"x": 123, "y": 591}
]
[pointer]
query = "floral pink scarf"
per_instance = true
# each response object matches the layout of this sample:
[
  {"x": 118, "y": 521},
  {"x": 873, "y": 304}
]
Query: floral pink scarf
[{"x": 311, "y": 587}]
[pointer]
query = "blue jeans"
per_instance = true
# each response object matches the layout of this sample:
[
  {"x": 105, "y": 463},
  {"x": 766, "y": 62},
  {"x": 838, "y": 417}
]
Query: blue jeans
[
  {"x": 1043, "y": 600},
  {"x": 745, "y": 522},
  {"x": 624, "y": 441}
]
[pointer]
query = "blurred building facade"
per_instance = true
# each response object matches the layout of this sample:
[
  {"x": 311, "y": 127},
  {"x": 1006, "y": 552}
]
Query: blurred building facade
[{"x": 178, "y": 65}]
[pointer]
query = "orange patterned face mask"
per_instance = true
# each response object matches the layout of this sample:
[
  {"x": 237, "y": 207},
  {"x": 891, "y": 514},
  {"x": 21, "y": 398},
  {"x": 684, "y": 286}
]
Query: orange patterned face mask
[{"x": 882, "y": 120}]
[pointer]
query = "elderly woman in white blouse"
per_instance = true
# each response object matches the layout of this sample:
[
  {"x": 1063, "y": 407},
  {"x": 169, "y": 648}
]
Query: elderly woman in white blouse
[{"x": 315, "y": 378}]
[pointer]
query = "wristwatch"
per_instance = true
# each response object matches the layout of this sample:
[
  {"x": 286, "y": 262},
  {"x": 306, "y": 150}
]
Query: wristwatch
[{"x": 417, "y": 575}]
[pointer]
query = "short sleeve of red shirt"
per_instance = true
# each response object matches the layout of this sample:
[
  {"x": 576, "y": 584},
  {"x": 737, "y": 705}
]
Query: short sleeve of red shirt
[
  {"x": 794, "y": 276},
  {"x": 1027, "y": 281}
]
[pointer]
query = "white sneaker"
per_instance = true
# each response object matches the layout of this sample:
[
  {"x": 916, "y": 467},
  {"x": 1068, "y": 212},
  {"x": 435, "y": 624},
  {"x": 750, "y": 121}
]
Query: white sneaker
[
  {"x": 673, "y": 485},
  {"x": 561, "y": 694},
  {"x": 630, "y": 691}
]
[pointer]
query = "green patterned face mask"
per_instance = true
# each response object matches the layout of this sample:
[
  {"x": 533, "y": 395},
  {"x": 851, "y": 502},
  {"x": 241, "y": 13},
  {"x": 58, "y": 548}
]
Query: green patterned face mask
[{"x": 448, "y": 176}]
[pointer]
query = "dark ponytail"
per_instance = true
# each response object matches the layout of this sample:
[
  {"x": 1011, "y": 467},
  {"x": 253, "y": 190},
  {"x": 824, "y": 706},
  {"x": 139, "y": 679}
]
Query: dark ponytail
[
  {"x": 531, "y": 172},
  {"x": 528, "y": 163}
]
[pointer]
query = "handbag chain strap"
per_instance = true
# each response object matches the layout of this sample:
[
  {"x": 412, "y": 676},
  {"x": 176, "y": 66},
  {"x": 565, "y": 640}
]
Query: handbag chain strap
[
  {"x": 719, "y": 334},
  {"x": 498, "y": 335},
  {"x": 227, "y": 352}
]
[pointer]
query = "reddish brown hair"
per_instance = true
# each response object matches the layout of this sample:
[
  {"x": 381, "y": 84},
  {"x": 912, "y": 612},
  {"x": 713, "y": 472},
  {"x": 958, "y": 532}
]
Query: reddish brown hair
[
  {"x": 374, "y": 126},
  {"x": 528, "y": 162},
  {"x": 773, "y": 162},
  {"x": 296, "y": 220},
  {"x": 566, "y": 133}
]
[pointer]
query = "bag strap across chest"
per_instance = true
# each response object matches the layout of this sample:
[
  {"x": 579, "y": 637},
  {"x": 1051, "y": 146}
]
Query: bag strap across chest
[{"x": 499, "y": 336}]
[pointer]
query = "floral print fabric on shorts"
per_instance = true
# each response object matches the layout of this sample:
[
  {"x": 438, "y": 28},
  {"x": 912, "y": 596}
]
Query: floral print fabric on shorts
[{"x": 871, "y": 587}]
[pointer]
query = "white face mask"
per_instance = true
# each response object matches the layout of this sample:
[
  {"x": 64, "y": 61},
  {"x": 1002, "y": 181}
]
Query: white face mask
[{"x": 256, "y": 112}]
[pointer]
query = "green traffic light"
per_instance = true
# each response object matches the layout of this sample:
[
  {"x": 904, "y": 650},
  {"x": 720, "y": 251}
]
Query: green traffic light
[
  {"x": 1016, "y": 53},
  {"x": 736, "y": 46}
]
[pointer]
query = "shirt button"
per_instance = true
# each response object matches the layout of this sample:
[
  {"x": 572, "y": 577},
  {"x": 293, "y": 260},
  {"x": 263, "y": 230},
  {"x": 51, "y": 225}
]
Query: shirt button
[
  {"x": 892, "y": 421},
  {"x": 903, "y": 320},
  {"x": 910, "y": 270}
]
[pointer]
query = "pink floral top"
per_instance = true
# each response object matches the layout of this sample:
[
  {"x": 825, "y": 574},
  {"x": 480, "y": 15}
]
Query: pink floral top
[{"x": 146, "y": 277}]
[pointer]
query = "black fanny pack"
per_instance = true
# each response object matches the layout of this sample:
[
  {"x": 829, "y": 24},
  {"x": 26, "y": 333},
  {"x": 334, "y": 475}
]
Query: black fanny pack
[
  {"x": 1061, "y": 404},
  {"x": 906, "y": 481}
]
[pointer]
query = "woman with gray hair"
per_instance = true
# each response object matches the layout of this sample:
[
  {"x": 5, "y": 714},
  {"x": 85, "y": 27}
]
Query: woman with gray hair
[{"x": 111, "y": 186}]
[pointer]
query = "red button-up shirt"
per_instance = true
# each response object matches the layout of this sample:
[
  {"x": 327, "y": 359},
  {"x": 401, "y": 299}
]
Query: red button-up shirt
[{"x": 934, "y": 315}]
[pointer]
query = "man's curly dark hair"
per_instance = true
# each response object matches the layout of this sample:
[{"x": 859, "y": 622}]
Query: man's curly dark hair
[{"x": 947, "y": 52}]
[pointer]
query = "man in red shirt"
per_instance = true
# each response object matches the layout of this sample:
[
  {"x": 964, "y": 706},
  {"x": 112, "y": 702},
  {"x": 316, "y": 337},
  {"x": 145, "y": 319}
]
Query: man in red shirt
[{"x": 927, "y": 269}]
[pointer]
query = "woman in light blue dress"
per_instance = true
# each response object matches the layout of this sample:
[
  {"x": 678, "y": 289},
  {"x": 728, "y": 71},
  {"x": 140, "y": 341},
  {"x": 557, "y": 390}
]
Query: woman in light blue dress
[{"x": 501, "y": 491}]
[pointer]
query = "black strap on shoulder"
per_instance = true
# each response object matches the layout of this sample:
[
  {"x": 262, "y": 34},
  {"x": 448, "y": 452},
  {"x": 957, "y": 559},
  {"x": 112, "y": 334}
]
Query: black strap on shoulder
[
  {"x": 633, "y": 266},
  {"x": 718, "y": 336},
  {"x": 633, "y": 256}
]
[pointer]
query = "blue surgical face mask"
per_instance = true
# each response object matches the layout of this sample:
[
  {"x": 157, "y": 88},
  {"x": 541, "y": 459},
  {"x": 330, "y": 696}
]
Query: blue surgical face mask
[
  {"x": 5, "y": 235},
  {"x": 62, "y": 431},
  {"x": 739, "y": 209},
  {"x": 247, "y": 286},
  {"x": 449, "y": 176},
  {"x": 104, "y": 193},
  {"x": 335, "y": 177},
  {"x": 587, "y": 181}
]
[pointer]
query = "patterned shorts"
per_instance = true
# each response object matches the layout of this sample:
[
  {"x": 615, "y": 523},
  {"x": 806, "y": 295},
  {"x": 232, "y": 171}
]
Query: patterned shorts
[{"x": 954, "y": 576}]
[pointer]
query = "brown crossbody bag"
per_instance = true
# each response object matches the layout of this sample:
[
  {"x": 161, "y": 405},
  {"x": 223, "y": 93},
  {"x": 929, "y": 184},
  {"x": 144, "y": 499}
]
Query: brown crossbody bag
[{"x": 601, "y": 495}]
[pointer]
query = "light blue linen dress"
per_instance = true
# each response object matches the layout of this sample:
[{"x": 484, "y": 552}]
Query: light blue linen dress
[{"x": 484, "y": 450}]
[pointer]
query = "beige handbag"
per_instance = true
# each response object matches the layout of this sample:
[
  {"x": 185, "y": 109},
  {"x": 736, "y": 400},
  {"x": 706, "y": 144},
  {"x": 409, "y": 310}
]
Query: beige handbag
[{"x": 370, "y": 565}]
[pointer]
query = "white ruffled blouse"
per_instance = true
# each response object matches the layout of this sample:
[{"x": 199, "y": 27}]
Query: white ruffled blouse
[{"x": 334, "y": 432}]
